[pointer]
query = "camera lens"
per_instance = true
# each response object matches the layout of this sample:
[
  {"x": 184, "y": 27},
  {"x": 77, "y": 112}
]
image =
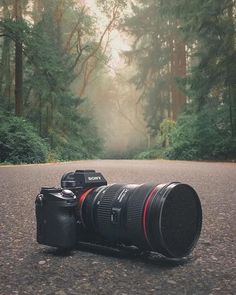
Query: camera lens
[{"x": 163, "y": 218}]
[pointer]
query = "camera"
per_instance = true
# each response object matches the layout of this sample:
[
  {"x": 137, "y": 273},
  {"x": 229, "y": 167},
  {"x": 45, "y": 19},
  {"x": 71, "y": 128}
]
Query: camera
[{"x": 162, "y": 218}]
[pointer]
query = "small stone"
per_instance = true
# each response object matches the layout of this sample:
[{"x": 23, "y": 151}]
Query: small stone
[
  {"x": 60, "y": 292},
  {"x": 206, "y": 243},
  {"x": 171, "y": 282},
  {"x": 41, "y": 262},
  {"x": 213, "y": 258}
]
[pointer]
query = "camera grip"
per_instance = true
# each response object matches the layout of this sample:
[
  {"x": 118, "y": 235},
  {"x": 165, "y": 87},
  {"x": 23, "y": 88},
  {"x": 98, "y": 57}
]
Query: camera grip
[{"x": 56, "y": 222}]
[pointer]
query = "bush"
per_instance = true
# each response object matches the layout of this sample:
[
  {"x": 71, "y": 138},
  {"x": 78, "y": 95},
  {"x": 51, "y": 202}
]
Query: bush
[
  {"x": 152, "y": 153},
  {"x": 83, "y": 144},
  {"x": 19, "y": 142},
  {"x": 203, "y": 135},
  {"x": 166, "y": 127},
  {"x": 163, "y": 140}
]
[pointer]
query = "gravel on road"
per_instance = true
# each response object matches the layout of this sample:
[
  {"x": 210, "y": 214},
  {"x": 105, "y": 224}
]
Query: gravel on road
[{"x": 29, "y": 268}]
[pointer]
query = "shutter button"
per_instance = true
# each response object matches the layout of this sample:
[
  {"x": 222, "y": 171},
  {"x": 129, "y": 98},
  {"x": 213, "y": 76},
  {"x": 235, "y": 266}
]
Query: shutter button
[{"x": 67, "y": 193}]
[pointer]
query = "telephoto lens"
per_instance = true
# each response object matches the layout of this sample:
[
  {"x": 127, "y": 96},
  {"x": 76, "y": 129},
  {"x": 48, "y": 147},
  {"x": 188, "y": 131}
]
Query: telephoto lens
[{"x": 163, "y": 218}]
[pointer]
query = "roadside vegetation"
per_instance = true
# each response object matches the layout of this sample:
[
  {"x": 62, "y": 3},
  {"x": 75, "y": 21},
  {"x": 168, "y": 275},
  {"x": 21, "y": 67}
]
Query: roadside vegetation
[
  {"x": 185, "y": 57},
  {"x": 44, "y": 47}
]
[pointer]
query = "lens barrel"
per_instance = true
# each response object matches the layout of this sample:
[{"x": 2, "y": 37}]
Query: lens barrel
[{"x": 164, "y": 218}]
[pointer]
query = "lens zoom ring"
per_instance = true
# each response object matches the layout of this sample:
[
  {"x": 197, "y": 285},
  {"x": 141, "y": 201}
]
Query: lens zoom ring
[{"x": 135, "y": 207}]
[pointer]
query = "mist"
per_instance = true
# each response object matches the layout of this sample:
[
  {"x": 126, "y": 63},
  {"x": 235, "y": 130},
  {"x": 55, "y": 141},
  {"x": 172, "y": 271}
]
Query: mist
[{"x": 114, "y": 105}]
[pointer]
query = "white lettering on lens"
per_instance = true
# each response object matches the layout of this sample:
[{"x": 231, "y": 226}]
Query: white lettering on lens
[{"x": 122, "y": 194}]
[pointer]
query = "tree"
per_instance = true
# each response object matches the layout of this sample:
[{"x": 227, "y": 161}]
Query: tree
[
  {"x": 197, "y": 42},
  {"x": 209, "y": 29},
  {"x": 12, "y": 26},
  {"x": 5, "y": 73},
  {"x": 40, "y": 41},
  {"x": 159, "y": 52},
  {"x": 18, "y": 61}
]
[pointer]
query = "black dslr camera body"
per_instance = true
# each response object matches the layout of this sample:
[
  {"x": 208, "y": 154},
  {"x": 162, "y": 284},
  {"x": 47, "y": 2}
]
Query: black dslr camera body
[
  {"x": 163, "y": 218},
  {"x": 57, "y": 214}
]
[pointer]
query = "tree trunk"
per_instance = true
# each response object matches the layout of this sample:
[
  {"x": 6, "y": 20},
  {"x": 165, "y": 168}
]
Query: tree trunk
[
  {"x": 40, "y": 116},
  {"x": 18, "y": 64},
  {"x": 5, "y": 71},
  {"x": 4, "y": 64},
  {"x": 58, "y": 15},
  {"x": 18, "y": 80},
  {"x": 37, "y": 10},
  {"x": 7, "y": 93},
  {"x": 231, "y": 70},
  {"x": 178, "y": 70}
]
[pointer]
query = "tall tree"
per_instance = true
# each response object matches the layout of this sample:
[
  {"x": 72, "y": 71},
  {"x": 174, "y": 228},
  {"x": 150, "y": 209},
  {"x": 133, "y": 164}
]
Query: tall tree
[
  {"x": 178, "y": 71},
  {"x": 159, "y": 52},
  {"x": 18, "y": 61},
  {"x": 40, "y": 40},
  {"x": 5, "y": 72},
  {"x": 209, "y": 29},
  {"x": 231, "y": 76}
]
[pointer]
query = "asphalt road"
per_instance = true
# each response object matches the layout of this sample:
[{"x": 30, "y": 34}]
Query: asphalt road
[{"x": 29, "y": 268}]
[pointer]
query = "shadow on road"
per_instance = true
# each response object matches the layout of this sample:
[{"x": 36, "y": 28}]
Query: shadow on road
[{"x": 127, "y": 253}]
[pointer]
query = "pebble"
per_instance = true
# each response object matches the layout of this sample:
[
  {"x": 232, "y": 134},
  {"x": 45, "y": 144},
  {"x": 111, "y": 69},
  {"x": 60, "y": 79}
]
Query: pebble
[
  {"x": 213, "y": 258},
  {"x": 171, "y": 282},
  {"x": 41, "y": 262}
]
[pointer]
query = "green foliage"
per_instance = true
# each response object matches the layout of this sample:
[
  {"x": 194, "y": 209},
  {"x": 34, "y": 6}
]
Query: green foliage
[
  {"x": 150, "y": 53},
  {"x": 130, "y": 153},
  {"x": 207, "y": 130},
  {"x": 209, "y": 30},
  {"x": 19, "y": 142},
  {"x": 166, "y": 127},
  {"x": 153, "y": 153},
  {"x": 203, "y": 135},
  {"x": 58, "y": 39},
  {"x": 83, "y": 144},
  {"x": 163, "y": 140}
]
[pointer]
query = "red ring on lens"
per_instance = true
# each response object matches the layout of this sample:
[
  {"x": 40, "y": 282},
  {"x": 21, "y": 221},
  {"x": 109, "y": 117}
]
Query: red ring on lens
[
  {"x": 152, "y": 193},
  {"x": 81, "y": 201}
]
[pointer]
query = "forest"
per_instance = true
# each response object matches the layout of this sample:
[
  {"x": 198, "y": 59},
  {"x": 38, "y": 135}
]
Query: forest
[{"x": 84, "y": 79}]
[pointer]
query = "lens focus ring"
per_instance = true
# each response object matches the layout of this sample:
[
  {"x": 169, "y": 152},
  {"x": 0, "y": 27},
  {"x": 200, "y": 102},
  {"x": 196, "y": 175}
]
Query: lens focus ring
[{"x": 104, "y": 207}]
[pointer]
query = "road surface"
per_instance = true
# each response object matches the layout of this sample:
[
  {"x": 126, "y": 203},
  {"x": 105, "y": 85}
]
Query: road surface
[{"x": 29, "y": 268}]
